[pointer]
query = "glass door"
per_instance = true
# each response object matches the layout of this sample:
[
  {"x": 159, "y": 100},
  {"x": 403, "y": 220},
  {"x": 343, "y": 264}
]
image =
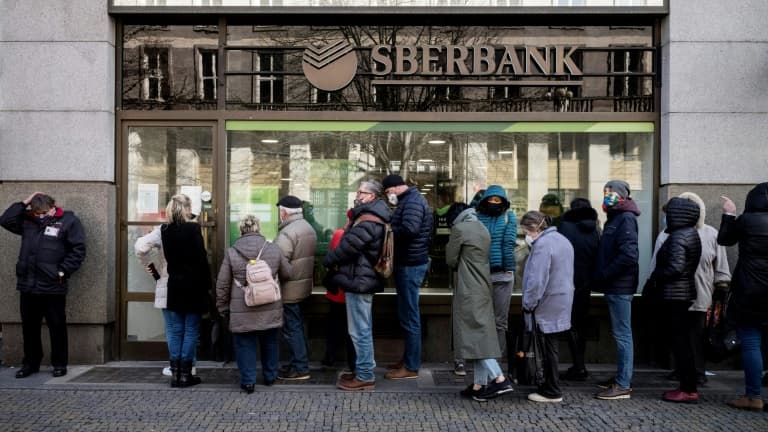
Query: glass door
[{"x": 159, "y": 161}]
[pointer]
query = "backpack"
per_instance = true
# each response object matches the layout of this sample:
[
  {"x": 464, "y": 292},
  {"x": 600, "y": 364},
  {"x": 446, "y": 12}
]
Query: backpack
[
  {"x": 384, "y": 264},
  {"x": 261, "y": 288}
]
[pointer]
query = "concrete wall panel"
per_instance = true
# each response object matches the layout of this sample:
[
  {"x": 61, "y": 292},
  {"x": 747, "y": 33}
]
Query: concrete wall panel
[
  {"x": 716, "y": 20},
  {"x": 723, "y": 77},
  {"x": 77, "y": 146},
  {"x": 45, "y": 20},
  {"x": 714, "y": 148},
  {"x": 57, "y": 76}
]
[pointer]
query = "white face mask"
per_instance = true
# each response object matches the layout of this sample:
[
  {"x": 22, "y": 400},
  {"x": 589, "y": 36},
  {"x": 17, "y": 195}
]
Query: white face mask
[
  {"x": 529, "y": 240},
  {"x": 392, "y": 198}
]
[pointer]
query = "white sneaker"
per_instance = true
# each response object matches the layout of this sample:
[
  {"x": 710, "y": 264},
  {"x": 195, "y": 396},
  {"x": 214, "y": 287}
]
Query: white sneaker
[{"x": 535, "y": 397}]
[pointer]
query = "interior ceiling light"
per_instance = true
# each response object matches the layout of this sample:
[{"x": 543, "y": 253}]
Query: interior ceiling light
[
  {"x": 436, "y": 141},
  {"x": 503, "y": 152},
  {"x": 270, "y": 141},
  {"x": 428, "y": 185},
  {"x": 285, "y": 179},
  {"x": 426, "y": 160}
]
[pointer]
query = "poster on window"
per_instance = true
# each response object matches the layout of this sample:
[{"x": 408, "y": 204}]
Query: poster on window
[
  {"x": 194, "y": 193},
  {"x": 147, "y": 197}
]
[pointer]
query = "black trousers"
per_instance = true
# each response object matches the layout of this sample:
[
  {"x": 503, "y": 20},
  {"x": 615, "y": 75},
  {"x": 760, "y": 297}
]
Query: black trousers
[
  {"x": 337, "y": 333},
  {"x": 551, "y": 386},
  {"x": 52, "y": 307},
  {"x": 682, "y": 326},
  {"x": 697, "y": 338},
  {"x": 577, "y": 342}
]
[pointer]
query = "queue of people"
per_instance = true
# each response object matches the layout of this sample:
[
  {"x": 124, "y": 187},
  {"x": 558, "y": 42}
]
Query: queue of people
[{"x": 569, "y": 257}]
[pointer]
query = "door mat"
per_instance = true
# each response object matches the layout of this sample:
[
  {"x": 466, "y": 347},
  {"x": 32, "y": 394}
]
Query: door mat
[{"x": 153, "y": 375}]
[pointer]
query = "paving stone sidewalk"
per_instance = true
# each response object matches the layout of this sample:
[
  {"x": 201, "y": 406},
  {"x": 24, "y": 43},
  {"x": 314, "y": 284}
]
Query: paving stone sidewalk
[{"x": 81, "y": 401}]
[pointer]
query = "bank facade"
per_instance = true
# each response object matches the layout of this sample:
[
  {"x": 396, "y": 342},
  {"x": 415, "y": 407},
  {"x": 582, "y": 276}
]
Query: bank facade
[{"x": 115, "y": 106}]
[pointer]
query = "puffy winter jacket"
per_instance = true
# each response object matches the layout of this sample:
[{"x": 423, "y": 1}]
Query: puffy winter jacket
[
  {"x": 749, "y": 286},
  {"x": 351, "y": 263},
  {"x": 678, "y": 258},
  {"x": 189, "y": 277},
  {"x": 231, "y": 298},
  {"x": 503, "y": 231},
  {"x": 298, "y": 240},
  {"x": 617, "y": 270},
  {"x": 56, "y": 245},
  {"x": 579, "y": 226},
  {"x": 412, "y": 225}
]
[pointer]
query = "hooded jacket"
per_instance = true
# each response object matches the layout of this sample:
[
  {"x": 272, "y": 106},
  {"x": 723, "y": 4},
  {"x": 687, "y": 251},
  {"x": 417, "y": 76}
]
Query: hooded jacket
[
  {"x": 351, "y": 263},
  {"x": 679, "y": 256},
  {"x": 58, "y": 244},
  {"x": 579, "y": 226},
  {"x": 617, "y": 270},
  {"x": 749, "y": 287},
  {"x": 231, "y": 298},
  {"x": 474, "y": 328},
  {"x": 142, "y": 248},
  {"x": 503, "y": 231},
  {"x": 298, "y": 240},
  {"x": 713, "y": 265}
]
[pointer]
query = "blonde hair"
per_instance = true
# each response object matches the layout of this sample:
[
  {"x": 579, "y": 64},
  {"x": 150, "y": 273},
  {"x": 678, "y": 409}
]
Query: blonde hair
[
  {"x": 175, "y": 210},
  {"x": 249, "y": 224}
]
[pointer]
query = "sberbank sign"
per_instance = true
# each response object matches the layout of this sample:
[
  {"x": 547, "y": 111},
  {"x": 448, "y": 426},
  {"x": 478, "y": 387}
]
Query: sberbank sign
[
  {"x": 334, "y": 65},
  {"x": 478, "y": 60}
]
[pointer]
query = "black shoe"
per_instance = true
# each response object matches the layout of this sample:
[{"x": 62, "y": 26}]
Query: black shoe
[
  {"x": 59, "y": 372},
  {"x": 765, "y": 380},
  {"x": 26, "y": 371},
  {"x": 471, "y": 393},
  {"x": 248, "y": 388},
  {"x": 495, "y": 389},
  {"x": 269, "y": 383},
  {"x": 575, "y": 375},
  {"x": 187, "y": 379}
]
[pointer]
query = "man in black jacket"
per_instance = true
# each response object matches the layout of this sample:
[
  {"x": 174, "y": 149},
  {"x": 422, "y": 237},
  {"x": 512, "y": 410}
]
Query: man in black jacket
[
  {"x": 411, "y": 225},
  {"x": 52, "y": 248}
]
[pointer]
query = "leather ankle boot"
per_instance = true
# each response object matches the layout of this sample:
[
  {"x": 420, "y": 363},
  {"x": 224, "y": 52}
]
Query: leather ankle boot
[
  {"x": 187, "y": 379},
  {"x": 175, "y": 372}
]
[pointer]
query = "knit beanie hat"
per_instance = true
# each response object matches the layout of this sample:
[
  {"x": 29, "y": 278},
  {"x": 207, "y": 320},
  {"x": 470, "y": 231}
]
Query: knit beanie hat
[{"x": 619, "y": 186}]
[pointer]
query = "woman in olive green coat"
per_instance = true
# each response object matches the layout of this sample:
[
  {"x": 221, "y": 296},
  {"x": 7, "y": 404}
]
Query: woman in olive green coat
[{"x": 474, "y": 330}]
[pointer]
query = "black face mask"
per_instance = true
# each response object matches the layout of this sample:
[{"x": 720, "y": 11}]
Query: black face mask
[{"x": 494, "y": 209}]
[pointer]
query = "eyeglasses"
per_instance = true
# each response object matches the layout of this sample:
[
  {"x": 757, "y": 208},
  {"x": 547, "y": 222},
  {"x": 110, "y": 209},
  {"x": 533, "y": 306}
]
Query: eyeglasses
[{"x": 364, "y": 193}]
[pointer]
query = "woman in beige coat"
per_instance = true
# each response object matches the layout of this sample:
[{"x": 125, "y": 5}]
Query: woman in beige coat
[{"x": 251, "y": 325}]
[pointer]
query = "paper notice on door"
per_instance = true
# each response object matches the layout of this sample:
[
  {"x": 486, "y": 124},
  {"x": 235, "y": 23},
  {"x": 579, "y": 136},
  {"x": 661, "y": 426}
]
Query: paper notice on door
[
  {"x": 146, "y": 200},
  {"x": 193, "y": 192}
]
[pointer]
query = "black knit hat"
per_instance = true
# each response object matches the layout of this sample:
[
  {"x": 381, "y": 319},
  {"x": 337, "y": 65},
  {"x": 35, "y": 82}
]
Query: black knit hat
[
  {"x": 619, "y": 186},
  {"x": 289, "y": 201},
  {"x": 392, "y": 180}
]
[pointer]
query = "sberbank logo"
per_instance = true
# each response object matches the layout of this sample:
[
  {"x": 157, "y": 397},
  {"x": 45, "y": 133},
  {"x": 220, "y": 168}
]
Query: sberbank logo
[{"x": 330, "y": 67}]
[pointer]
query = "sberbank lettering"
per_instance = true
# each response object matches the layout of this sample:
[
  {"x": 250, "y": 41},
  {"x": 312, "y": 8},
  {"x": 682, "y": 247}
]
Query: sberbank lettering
[{"x": 478, "y": 60}]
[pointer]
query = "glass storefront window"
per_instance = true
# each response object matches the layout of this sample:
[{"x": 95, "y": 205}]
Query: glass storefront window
[
  {"x": 323, "y": 162},
  {"x": 144, "y": 323},
  {"x": 392, "y": 3}
]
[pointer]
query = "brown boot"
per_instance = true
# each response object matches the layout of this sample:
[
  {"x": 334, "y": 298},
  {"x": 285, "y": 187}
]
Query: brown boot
[
  {"x": 401, "y": 373},
  {"x": 355, "y": 385},
  {"x": 747, "y": 403}
]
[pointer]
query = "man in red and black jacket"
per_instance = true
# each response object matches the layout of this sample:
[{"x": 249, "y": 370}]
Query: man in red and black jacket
[{"x": 52, "y": 248}]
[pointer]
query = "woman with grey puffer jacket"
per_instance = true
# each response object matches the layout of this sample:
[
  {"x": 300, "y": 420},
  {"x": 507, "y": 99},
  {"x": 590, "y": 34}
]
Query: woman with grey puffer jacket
[{"x": 251, "y": 325}]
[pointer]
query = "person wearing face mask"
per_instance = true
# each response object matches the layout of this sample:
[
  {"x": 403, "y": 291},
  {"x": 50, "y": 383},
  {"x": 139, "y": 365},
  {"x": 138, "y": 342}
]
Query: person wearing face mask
[
  {"x": 493, "y": 212},
  {"x": 351, "y": 268},
  {"x": 52, "y": 249},
  {"x": 616, "y": 275},
  {"x": 548, "y": 295},
  {"x": 412, "y": 227}
]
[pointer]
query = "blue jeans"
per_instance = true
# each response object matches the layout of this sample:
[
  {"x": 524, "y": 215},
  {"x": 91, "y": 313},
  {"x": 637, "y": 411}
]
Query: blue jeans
[
  {"x": 245, "y": 351},
  {"x": 620, "y": 310},
  {"x": 360, "y": 323},
  {"x": 486, "y": 370},
  {"x": 408, "y": 279},
  {"x": 293, "y": 333},
  {"x": 181, "y": 331},
  {"x": 752, "y": 358}
]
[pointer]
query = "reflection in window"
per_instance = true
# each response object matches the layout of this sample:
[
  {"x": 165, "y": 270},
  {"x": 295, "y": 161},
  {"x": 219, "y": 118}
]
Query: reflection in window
[
  {"x": 154, "y": 72},
  {"x": 206, "y": 73},
  {"x": 324, "y": 168}
]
